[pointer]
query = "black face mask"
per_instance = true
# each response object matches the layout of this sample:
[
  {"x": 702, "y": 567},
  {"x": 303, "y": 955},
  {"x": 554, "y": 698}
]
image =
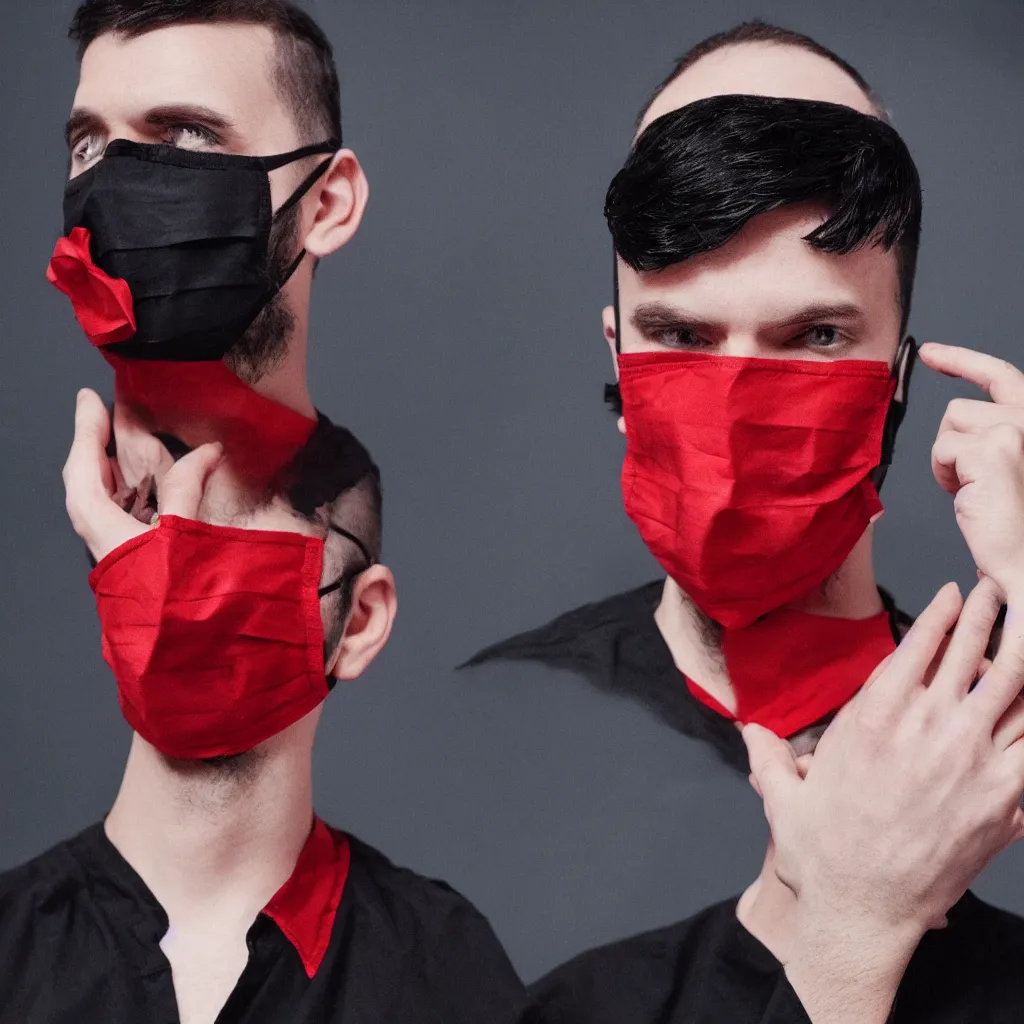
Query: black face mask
[{"x": 190, "y": 233}]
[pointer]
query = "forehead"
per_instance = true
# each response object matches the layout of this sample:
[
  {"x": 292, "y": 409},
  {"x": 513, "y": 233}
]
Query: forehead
[
  {"x": 762, "y": 69},
  {"x": 767, "y": 270},
  {"x": 226, "y": 67}
]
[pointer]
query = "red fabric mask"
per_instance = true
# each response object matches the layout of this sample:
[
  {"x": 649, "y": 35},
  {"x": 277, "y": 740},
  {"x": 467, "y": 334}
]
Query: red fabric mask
[
  {"x": 260, "y": 436},
  {"x": 213, "y": 634},
  {"x": 748, "y": 479},
  {"x": 103, "y": 304},
  {"x": 791, "y": 669}
]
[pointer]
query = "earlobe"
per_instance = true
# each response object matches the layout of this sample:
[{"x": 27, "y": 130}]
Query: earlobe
[
  {"x": 608, "y": 323},
  {"x": 342, "y": 200},
  {"x": 374, "y": 606}
]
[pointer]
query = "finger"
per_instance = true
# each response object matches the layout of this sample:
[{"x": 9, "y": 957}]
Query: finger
[
  {"x": 89, "y": 481},
  {"x": 1001, "y": 380},
  {"x": 908, "y": 665},
  {"x": 86, "y": 470},
  {"x": 970, "y": 416},
  {"x": 182, "y": 490},
  {"x": 965, "y": 654},
  {"x": 1010, "y": 728},
  {"x": 1004, "y": 680},
  {"x": 774, "y": 769},
  {"x": 139, "y": 452},
  {"x": 950, "y": 446}
]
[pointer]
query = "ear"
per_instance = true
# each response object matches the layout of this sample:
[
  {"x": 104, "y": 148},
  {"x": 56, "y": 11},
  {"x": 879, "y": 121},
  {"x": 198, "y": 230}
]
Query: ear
[
  {"x": 374, "y": 606},
  {"x": 608, "y": 322},
  {"x": 342, "y": 197}
]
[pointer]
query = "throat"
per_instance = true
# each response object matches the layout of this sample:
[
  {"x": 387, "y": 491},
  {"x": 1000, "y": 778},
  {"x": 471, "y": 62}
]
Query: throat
[
  {"x": 213, "y": 841},
  {"x": 703, "y": 651}
]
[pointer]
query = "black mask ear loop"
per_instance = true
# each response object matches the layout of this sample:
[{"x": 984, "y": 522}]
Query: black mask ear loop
[
  {"x": 902, "y": 368},
  {"x": 271, "y": 163},
  {"x": 612, "y": 395},
  {"x": 341, "y": 581}
]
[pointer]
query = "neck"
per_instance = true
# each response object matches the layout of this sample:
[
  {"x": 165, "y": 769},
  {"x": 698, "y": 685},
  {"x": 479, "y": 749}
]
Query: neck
[
  {"x": 693, "y": 639},
  {"x": 767, "y": 908},
  {"x": 287, "y": 382},
  {"x": 214, "y": 842}
]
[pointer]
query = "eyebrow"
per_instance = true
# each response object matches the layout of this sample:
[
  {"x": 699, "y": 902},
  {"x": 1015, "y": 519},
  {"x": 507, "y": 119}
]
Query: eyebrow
[
  {"x": 821, "y": 312},
  {"x": 83, "y": 119},
  {"x": 654, "y": 316}
]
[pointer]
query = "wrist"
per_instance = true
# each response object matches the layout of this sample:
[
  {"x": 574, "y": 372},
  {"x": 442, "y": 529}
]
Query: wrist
[{"x": 848, "y": 968}]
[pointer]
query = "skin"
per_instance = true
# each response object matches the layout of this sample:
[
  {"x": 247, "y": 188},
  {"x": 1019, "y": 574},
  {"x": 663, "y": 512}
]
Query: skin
[
  {"x": 211, "y": 88},
  {"x": 764, "y": 294},
  {"x": 213, "y": 843},
  {"x": 824, "y": 907}
]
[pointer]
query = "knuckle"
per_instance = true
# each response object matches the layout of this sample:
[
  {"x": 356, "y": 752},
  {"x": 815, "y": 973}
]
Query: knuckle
[{"x": 1006, "y": 438}]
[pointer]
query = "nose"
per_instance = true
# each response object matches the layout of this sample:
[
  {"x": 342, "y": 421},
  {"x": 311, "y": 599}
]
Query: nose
[{"x": 742, "y": 346}]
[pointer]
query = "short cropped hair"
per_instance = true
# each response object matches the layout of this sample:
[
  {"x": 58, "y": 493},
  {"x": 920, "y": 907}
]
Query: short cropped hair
[
  {"x": 697, "y": 175},
  {"x": 305, "y": 74}
]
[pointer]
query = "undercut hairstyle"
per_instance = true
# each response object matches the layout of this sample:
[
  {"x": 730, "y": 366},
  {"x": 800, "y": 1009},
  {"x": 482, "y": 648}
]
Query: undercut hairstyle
[
  {"x": 333, "y": 481},
  {"x": 696, "y": 176},
  {"x": 305, "y": 74},
  {"x": 757, "y": 31}
]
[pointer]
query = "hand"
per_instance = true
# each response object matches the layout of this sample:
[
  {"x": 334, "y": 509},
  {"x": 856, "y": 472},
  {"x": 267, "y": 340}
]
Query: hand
[
  {"x": 912, "y": 790},
  {"x": 92, "y": 479},
  {"x": 979, "y": 457},
  {"x": 141, "y": 456}
]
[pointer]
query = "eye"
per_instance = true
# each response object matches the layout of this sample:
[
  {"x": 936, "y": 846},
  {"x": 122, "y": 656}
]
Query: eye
[
  {"x": 190, "y": 136},
  {"x": 823, "y": 336},
  {"x": 86, "y": 149},
  {"x": 677, "y": 337}
]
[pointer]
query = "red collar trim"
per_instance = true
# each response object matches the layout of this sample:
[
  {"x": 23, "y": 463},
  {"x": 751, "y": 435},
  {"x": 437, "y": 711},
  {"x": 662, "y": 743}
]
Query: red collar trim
[{"x": 304, "y": 908}]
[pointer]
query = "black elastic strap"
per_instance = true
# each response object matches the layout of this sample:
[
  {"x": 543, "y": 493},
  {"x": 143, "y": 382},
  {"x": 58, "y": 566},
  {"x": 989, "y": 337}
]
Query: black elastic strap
[
  {"x": 340, "y": 582},
  {"x": 902, "y": 368},
  {"x": 271, "y": 163},
  {"x": 612, "y": 394},
  {"x": 308, "y": 182}
]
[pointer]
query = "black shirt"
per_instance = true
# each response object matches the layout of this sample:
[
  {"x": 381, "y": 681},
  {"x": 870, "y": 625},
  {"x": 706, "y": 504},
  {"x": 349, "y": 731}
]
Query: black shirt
[
  {"x": 711, "y": 970},
  {"x": 349, "y": 939},
  {"x": 615, "y": 644}
]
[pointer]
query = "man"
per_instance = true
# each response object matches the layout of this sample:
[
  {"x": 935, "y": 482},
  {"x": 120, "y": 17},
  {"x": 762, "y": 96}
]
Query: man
[
  {"x": 194, "y": 213},
  {"x": 228, "y": 114},
  {"x": 211, "y": 891},
  {"x": 616, "y": 644},
  {"x": 642, "y": 644}
]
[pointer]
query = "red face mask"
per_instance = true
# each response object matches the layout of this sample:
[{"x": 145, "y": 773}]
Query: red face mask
[
  {"x": 213, "y": 633},
  {"x": 791, "y": 669},
  {"x": 748, "y": 479}
]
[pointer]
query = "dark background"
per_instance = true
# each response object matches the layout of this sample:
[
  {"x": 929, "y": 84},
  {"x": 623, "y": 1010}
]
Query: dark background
[{"x": 459, "y": 337}]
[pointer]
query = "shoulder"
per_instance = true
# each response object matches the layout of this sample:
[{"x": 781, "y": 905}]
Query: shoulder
[
  {"x": 412, "y": 900},
  {"x": 51, "y": 877},
  {"x": 631, "y": 981},
  {"x": 974, "y": 962},
  {"x": 437, "y": 934}
]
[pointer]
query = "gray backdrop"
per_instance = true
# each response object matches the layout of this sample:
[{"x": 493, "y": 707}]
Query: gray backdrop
[{"x": 459, "y": 337}]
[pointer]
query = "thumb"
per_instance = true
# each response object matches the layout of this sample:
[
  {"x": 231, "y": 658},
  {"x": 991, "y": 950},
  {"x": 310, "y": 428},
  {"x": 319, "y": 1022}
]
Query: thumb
[
  {"x": 773, "y": 766},
  {"x": 181, "y": 491}
]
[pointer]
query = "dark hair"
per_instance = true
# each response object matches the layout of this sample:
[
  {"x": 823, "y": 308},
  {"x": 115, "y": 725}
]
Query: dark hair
[
  {"x": 758, "y": 31},
  {"x": 305, "y": 74},
  {"x": 334, "y": 481},
  {"x": 697, "y": 175}
]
